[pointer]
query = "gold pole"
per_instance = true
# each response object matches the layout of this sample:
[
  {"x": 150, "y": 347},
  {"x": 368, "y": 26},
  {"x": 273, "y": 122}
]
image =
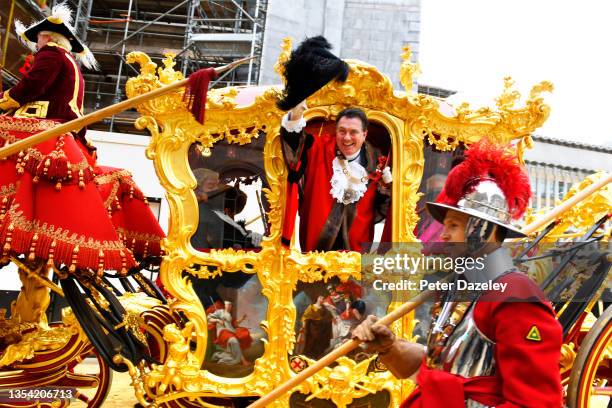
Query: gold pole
[
  {"x": 102, "y": 113},
  {"x": 566, "y": 205},
  {"x": 413, "y": 303},
  {"x": 6, "y": 37}
]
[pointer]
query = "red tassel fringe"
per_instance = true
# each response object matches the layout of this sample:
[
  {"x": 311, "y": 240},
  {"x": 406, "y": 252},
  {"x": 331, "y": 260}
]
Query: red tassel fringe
[{"x": 195, "y": 94}]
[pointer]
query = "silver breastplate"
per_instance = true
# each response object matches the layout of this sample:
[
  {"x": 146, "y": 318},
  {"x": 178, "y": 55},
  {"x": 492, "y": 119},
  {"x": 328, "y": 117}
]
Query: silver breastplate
[{"x": 456, "y": 345}]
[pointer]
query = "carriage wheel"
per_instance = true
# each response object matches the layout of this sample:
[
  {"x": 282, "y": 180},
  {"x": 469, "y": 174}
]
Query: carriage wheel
[
  {"x": 590, "y": 383},
  {"x": 92, "y": 379}
]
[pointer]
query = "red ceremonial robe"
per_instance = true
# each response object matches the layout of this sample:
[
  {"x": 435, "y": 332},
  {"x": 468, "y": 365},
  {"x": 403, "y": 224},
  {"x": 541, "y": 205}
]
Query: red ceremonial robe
[{"x": 314, "y": 162}]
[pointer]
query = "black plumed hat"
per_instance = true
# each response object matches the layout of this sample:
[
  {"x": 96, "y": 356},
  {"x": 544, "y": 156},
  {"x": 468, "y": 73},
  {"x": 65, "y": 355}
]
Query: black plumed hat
[
  {"x": 309, "y": 68},
  {"x": 55, "y": 27},
  {"x": 60, "y": 22}
]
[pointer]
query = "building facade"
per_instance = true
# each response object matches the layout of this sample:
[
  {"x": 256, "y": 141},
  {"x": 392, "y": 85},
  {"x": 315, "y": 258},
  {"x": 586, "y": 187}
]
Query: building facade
[
  {"x": 555, "y": 165},
  {"x": 373, "y": 31}
]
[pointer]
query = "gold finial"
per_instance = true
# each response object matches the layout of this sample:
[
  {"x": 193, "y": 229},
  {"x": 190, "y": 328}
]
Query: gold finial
[
  {"x": 509, "y": 96},
  {"x": 408, "y": 70},
  {"x": 168, "y": 75},
  {"x": 279, "y": 66}
]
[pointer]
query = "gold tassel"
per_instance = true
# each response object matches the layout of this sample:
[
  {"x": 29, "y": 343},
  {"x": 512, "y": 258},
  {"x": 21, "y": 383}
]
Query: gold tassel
[
  {"x": 32, "y": 254},
  {"x": 81, "y": 179},
  {"x": 9, "y": 237},
  {"x": 46, "y": 167},
  {"x": 4, "y": 207},
  {"x": 100, "y": 263},
  {"x": 51, "y": 254},
  {"x": 123, "y": 270},
  {"x": 73, "y": 261}
]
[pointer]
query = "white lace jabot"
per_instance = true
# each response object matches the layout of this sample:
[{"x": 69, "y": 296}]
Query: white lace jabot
[{"x": 344, "y": 190}]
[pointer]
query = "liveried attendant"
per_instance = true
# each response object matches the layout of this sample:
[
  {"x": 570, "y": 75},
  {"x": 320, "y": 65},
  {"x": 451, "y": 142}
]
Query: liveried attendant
[
  {"x": 57, "y": 204},
  {"x": 503, "y": 349}
]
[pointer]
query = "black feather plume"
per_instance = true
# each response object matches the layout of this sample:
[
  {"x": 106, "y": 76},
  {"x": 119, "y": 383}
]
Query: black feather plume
[{"x": 309, "y": 68}]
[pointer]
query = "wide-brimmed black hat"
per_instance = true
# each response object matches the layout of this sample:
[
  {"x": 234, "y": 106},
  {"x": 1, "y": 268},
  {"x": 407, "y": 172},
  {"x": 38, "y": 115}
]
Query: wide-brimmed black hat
[
  {"x": 55, "y": 26},
  {"x": 309, "y": 68},
  {"x": 60, "y": 22}
]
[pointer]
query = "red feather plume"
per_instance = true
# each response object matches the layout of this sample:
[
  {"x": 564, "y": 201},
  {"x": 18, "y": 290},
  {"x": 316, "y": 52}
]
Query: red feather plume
[{"x": 488, "y": 161}]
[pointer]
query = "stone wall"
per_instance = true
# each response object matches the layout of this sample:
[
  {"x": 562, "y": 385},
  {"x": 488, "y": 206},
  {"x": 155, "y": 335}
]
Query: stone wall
[{"x": 373, "y": 31}]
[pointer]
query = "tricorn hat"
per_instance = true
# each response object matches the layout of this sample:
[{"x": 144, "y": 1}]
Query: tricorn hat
[
  {"x": 310, "y": 67},
  {"x": 60, "y": 22},
  {"x": 489, "y": 184}
]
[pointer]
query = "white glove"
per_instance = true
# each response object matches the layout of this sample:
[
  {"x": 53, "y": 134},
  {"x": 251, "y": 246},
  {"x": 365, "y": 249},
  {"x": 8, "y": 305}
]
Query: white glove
[
  {"x": 297, "y": 112},
  {"x": 386, "y": 175},
  {"x": 255, "y": 238}
]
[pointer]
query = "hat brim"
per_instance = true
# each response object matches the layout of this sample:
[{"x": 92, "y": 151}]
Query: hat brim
[
  {"x": 45, "y": 25},
  {"x": 438, "y": 212}
]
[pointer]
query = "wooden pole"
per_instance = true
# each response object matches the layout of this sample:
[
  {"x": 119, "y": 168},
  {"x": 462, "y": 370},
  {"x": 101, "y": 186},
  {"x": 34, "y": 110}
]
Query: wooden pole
[
  {"x": 102, "y": 113},
  {"x": 340, "y": 351},
  {"x": 414, "y": 303}
]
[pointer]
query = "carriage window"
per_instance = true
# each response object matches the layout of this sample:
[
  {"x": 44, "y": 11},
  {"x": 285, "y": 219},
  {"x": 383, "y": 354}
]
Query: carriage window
[
  {"x": 337, "y": 202},
  {"x": 437, "y": 166},
  {"x": 232, "y": 208}
]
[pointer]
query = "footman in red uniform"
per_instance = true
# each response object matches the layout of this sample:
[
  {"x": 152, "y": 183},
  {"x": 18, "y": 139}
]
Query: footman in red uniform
[
  {"x": 502, "y": 349},
  {"x": 56, "y": 203}
]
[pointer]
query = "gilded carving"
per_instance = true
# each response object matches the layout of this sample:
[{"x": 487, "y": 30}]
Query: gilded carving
[
  {"x": 24, "y": 346},
  {"x": 279, "y": 66},
  {"x": 347, "y": 375},
  {"x": 408, "y": 70},
  {"x": 568, "y": 355}
]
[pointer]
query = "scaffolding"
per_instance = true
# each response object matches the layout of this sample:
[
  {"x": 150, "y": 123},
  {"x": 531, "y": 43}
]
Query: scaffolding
[{"x": 201, "y": 33}]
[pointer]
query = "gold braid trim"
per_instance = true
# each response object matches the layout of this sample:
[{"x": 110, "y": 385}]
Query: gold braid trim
[
  {"x": 116, "y": 175},
  {"x": 139, "y": 236},
  {"x": 8, "y": 189},
  {"x": 7, "y": 102},
  {"x": 20, "y": 222},
  {"x": 26, "y": 125},
  {"x": 113, "y": 194},
  {"x": 37, "y": 156},
  {"x": 8, "y": 138}
]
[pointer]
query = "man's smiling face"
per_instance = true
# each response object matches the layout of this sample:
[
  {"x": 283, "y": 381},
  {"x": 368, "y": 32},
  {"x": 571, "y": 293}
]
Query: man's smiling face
[{"x": 350, "y": 135}]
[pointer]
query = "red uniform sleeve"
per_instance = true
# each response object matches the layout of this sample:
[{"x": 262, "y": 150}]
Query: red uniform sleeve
[
  {"x": 528, "y": 342},
  {"x": 47, "y": 65}
]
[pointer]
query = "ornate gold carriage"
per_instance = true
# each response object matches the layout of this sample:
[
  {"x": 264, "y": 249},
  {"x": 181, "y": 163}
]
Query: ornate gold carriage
[{"x": 415, "y": 129}]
